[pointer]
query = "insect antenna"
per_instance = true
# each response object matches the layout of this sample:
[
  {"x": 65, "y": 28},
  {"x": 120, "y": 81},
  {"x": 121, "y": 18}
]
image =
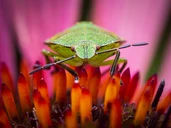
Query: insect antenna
[
  {"x": 115, "y": 62},
  {"x": 46, "y": 66},
  {"x": 122, "y": 47},
  {"x": 140, "y": 44}
]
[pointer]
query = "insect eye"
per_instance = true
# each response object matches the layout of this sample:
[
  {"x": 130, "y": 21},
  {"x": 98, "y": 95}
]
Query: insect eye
[
  {"x": 73, "y": 48},
  {"x": 97, "y": 47}
]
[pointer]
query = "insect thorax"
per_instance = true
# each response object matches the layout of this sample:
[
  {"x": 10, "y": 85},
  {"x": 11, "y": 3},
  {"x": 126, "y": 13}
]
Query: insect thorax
[{"x": 85, "y": 49}]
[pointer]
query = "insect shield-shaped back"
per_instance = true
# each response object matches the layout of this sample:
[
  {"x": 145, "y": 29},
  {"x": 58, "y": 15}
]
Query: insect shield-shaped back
[
  {"x": 85, "y": 43},
  {"x": 85, "y": 49}
]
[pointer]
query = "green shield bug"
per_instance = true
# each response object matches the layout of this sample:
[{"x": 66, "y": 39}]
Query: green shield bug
[{"x": 85, "y": 43}]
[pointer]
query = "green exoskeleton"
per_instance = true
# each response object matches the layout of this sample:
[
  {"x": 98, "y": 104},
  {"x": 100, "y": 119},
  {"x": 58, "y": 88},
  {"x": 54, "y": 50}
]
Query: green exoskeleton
[{"x": 85, "y": 43}]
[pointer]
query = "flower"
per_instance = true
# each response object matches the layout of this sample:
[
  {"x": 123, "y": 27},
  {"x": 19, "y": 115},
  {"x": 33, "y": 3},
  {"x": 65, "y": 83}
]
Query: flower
[
  {"x": 97, "y": 100},
  {"x": 25, "y": 25}
]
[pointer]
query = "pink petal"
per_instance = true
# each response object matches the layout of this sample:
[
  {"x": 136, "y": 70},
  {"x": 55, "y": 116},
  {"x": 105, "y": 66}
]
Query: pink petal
[
  {"x": 7, "y": 53},
  {"x": 37, "y": 21},
  {"x": 165, "y": 70},
  {"x": 135, "y": 21}
]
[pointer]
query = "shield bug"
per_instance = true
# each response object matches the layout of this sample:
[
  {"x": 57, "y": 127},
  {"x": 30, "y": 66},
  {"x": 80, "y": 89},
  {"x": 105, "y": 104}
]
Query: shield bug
[{"x": 85, "y": 43}]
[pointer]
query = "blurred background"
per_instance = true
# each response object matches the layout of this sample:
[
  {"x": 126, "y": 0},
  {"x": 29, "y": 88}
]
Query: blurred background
[{"x": 25, "y": 24}]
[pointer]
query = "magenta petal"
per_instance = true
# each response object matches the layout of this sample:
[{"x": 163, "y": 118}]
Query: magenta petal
[
  {"x": 7, "y": 54},
  {"x": 134, "y": 21},
  {"x": 165, "y": 71},
  {"x": 37, "y": 21}
]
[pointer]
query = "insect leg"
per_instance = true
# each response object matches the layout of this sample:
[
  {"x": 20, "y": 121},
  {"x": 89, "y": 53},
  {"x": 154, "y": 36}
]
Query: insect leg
[
  {"x": 70, "y": 70},
  {"x": 50, "y": 64},
  {"x": 114, "y": 64},
  {"x": 124, "y": 61},
  {"x": 48, "y": 54},
  {"x": 46, "y": 66},
  {"x": 120, "y": 61}
]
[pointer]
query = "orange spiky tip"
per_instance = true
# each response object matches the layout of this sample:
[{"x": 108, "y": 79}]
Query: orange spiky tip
[
  {"x": 4, "y": 122},
  {"x": 37, "y": 75},
  {"x": 85, "y": 106},
  {"x": 43, "y": 112},
  {"x": 93, "y": 84},
  {"x": 112, "y": 91},
  {"x": 164, "y": 104},
  {"x": 70, "y": 79},
  {"x": 150, "y": 85},
  {"x": 142, "y": 109},
  {"x": 24, "y": 69},
  {"x": 42, "y": 109},
  {"x": 9, "y": 102},
  {"x": 125, "y": 78},
  {"x": 70, "y": 120},
  {"x": 145, "y": 101},
  {"x": 115, "y": 114},
  {"x": 24, "y": 95},
  {"x": 59, "y": 83},
  {"x": 83, "y": 76},
  {"x": 129, "y": 93},
  {"x": 152, "y": 79},
  {"x": 6, "y": 77},
  {"x": 42, "y": 87},
  {"x": 158, "y": 94},
  {"x": 36, "y": 96},
  {"x": 103, "y": 85},
  {"x": 75, "y": 98},
  {"x": 90, "y": 71}
]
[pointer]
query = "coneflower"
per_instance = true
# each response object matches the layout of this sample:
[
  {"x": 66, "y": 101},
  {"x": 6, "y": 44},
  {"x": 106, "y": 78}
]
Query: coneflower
[{"x": 98, "y": 100}]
